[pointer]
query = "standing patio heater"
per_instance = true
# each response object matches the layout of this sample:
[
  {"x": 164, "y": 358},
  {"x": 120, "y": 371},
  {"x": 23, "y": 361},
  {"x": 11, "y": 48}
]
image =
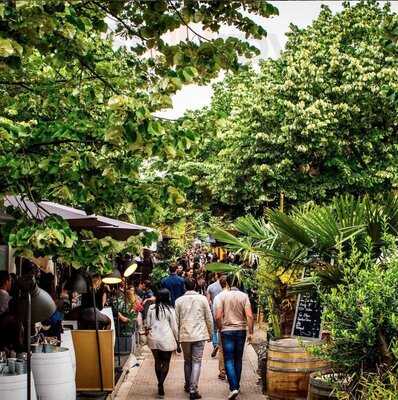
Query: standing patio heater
[
  {"x": 34, "y": 305},
  {"x": 114, "y": 278},
  {"x": 82, "y": 284}
]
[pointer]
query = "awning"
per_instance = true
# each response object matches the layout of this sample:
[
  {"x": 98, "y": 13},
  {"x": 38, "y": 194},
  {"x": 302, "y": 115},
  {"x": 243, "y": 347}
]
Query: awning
[{"x": 77, "y": 219}]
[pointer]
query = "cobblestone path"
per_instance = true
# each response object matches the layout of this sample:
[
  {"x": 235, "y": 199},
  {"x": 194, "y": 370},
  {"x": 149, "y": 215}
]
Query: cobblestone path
[{"x": 140, "y": 384}]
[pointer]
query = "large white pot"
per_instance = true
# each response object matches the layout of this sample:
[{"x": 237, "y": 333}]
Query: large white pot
[
  {"x": 14, "y": 387},
  {"x": 53, "y": 374},
  {"x": 67, "y": 343}
]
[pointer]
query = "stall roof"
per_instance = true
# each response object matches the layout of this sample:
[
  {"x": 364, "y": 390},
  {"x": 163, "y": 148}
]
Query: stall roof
[{"x": 78, "y": 219}]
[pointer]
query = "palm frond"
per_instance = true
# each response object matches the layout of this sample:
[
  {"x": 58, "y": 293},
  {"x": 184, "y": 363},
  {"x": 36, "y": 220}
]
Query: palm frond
[
  {"x": 222, "y": 267},
  {"x": 257, "y": 229},
  {"x": 391, "y": 211},
  {"x": 287, "y": 226}
]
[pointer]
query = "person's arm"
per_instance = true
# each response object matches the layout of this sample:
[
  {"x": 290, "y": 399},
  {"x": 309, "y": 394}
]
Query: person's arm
[
  {"x": 250, "y": 319},
  {"x": 208, "y": 296},
  {"x": 219, "y": 313},
  {"x": 173, "y": 324},
  {"x": 208, "y": 317},
  {"x": 162, "y": 283},
  {"x": 183, "y": 288},
  {"x": 123, "y": 318},
  {"x": 178, "y": 320},
  {"x": 148, "y": 321}
]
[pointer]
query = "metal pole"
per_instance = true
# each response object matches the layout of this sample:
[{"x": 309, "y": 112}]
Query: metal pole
[
  {"x": 118, "y": 328},
  {"x": 97, "y": 334},
  {"x": 28, "y": 352}
]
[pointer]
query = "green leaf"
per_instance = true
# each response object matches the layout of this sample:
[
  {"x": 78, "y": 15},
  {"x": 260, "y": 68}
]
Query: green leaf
[
  {"x": 6, "y": 48},
  {"x": 221, "y": 267}
]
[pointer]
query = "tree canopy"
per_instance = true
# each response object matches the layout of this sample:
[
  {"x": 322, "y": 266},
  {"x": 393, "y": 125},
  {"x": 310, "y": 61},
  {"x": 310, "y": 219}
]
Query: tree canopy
[
  {"x": 77, "y": 112},
  {"x": 77, "y": 122},
  {"x": 318, "y": 121}
]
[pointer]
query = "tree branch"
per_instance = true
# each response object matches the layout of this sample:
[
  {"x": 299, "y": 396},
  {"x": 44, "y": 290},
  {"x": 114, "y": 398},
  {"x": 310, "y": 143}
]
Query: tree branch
[
  {"x": 118, "y": 19},
  {"x": 183, "y": 21}
]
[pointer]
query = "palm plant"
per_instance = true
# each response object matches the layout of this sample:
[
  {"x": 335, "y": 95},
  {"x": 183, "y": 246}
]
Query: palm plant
[{"x": 312, "y": 236}]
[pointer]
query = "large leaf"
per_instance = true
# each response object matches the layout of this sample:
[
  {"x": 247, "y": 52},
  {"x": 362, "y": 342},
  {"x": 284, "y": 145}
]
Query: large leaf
[
  {"x": 287, "y": 226},
  {"x": 221, "y": 267}
]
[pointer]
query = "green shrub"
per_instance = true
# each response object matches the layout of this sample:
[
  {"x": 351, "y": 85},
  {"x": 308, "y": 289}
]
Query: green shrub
[
  {"x": 374, "y": 387},
  {"x": 361, "y": 314}
]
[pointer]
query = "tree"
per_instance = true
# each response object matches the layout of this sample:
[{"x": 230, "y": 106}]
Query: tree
[
  {"x": 77, "y": 122},
  {"x": 77, "y": 113},
  {"x": 319, "y": 121}
]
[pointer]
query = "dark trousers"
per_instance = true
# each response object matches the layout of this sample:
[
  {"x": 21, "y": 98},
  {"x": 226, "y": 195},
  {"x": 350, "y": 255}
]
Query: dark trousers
[
  {"x": 162, "y": 364},
  {"x": 233, "y": 344}
]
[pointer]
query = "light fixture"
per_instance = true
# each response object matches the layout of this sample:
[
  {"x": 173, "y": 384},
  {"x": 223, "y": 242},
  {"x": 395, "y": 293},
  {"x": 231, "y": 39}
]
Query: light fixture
[
  {"x": 41, "y": 304},
  {"x": 77, "y": 283},
  {"x": 130, "y": 270},
  {"x": 113, "y": 278},
  {"x": 36, "y": 305}
]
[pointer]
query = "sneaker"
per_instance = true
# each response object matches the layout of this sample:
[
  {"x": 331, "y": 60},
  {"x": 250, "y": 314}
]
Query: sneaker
[
  {"x": 194, "y": 396},
  {"x": 233, "y": 394},
  {"x": 214, "y": 352},
  {"x": 186, "y": 388}
]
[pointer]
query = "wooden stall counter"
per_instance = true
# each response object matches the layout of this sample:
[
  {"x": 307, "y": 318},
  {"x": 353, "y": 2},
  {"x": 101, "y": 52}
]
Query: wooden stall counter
[{"x": 87, "y": 361}]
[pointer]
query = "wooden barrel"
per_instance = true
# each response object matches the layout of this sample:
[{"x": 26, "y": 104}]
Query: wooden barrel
[
  {"x": 319, "y": 389},
  {"x": 289, "y": 367}
]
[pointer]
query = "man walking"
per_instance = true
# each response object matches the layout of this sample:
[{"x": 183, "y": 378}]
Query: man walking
[
  {"x": 233, "y": 316},
  {"x": 221, "y": 364},
  {"x": 195, "y": 325},
  {"x": 174, "y": 283},
  {"x": 212, "y": 291}
]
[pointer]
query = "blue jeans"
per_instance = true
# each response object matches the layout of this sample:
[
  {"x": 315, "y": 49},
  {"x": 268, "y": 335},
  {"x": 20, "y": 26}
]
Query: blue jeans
[
  {"x": 214, "y": 335},
  {"x": 233, "y": 344}
]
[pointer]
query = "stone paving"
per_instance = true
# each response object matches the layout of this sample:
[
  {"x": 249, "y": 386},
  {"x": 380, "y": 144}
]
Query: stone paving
[{"x": 141, "y": 383}]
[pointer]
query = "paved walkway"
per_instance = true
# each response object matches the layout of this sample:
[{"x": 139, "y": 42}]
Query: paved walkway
[{"x": 140, "y": 383}]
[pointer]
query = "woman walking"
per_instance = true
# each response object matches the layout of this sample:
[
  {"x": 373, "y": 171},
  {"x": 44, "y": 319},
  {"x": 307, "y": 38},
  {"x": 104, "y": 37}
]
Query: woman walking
[{"x": 162, "y": 334}]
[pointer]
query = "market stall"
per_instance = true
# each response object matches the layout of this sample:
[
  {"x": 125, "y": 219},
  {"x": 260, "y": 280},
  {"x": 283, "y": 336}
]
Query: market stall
[{"x": 72, "y": 323}]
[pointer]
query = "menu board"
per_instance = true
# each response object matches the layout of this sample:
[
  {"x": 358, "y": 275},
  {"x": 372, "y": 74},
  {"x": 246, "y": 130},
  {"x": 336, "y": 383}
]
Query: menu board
[{"x": 307, "y": 320}]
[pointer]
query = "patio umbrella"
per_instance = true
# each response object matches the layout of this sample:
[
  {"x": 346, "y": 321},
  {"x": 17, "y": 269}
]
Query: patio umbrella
[{"x": 77, "y": 219}]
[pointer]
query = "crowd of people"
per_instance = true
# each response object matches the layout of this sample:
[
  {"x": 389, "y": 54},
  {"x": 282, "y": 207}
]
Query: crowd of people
[
  {"x": 190, "y": 310},
  {"x": 191, "y": 307}
]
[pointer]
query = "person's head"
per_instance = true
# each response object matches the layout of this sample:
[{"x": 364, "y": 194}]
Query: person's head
[
  {"x": 189, "y": 273},
  {"x": 144, "y": 285},
  {"x": 5, "y": 281},
  {"x": 223, "y": 280},
  {"x": 163, "y": 296},
  {"x": 200, "y": 279},
  {"x": 96, "y": 279},
  {"x": 231, "y": 280},
  {"x": 180, "y": 269},
  {"x": 189, "y": 284},
  {"x": 163, "y": 301},
  {"x": 173, "y": 269},
  {"x": 131, "y": 296}
]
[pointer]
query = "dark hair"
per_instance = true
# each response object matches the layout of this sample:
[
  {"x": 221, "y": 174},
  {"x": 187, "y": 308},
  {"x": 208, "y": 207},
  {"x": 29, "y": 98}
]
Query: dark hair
[
  {"x": 4, "y": 277},
  {"x": 232, "y": 280},
  {"x": 147, "y": 283},
  {"x": 190, "y": 284},
  {"x": 173, "y": 268},
  {"x": 223, "y": 280},
  {"x": 163, "y": 301}
]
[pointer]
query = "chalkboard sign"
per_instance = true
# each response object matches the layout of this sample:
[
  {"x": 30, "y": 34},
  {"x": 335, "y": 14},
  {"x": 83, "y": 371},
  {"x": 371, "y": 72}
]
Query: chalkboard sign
[{"x": 307, "y": 320}]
